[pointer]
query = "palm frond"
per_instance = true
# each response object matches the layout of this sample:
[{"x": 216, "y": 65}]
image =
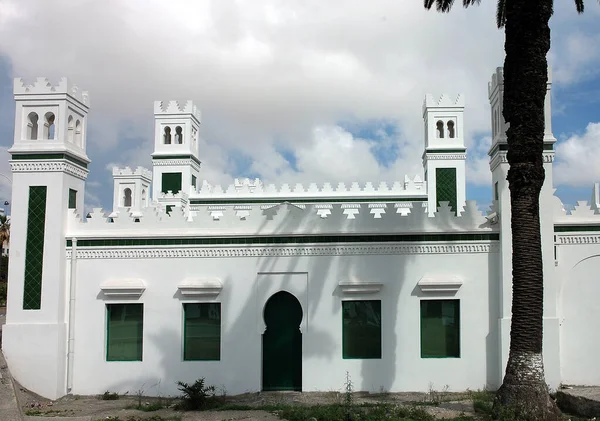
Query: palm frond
[
  {"x": 446, "y": 5},
  {"x": 501, "y": 13},
  {"x": 579, "y": 6}
]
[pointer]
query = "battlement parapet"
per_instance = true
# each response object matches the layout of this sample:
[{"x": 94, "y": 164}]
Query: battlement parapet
[
  {"x": 127, "y": 171},
  {"x": 43, "y": 86},
  {"x": 176, "y": 108},
  {"x": 256, "y": 189},
  {"x": 497, "y": 81},
  {"x": 444, "y": 101},
  {"x": 285, "y": 219},
  {"x": 171, "y": 195}
]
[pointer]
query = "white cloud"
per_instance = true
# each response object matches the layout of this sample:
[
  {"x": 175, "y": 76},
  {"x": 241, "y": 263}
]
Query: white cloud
[
  {"x": 577, "y": 158},
  {"x": 267, "y": 74}
]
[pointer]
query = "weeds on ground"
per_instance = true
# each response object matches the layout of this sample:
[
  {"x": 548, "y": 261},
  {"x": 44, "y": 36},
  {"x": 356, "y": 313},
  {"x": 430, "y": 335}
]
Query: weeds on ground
[
  {"x": 137, "y": 418},
  {"x": 109, "y": 396},
  {"x": 196, "y": 395}
]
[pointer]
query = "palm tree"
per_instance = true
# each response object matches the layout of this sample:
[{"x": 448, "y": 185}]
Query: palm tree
[
  {"x": 527, "y": 41},
  {"x": 4, "y": 230}
]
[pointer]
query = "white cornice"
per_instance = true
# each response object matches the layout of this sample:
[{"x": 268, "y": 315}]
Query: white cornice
[{"x": 49, "y": 166}]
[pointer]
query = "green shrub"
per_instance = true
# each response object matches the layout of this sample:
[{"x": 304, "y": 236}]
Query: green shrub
[
  {"x": 108, "y": 396},
  {"x": 196, "y": 395},
  {"x": 3, "y": 292}
]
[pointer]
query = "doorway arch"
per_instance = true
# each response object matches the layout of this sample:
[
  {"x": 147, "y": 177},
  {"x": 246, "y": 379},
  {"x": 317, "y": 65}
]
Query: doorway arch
[{"x": 282, "y": 343}]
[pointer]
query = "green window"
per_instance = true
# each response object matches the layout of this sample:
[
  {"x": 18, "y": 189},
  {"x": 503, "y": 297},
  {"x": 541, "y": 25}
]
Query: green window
[
  {"x": 34, "y": 248},
  {"x": 361, "y": 329},
  {"x": 171, "y": 181},
  {"x": 445, "y": 186},
  {"x": 169, "y": 208},
  {"x": 72, "y": 199},
  {"x": 202, "y": 331},
  {"x": 194, "y": 181},
  {"x": 124, "y": 332},
  {"x": 440, "y": 328}
]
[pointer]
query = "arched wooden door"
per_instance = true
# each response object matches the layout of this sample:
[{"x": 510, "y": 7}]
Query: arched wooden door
[{"x": 282, "y": 343}]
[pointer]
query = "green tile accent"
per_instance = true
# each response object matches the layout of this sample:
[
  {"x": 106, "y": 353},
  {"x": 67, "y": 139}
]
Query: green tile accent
[
  {"x": 169, "y": 208},
  {"x": 576, "y": 228},
  {"x": 72, "y": 199},
  {"x": 49, "y": 157},
  {"x": 185, "y": 156},
  {"x": 361, "y": 329},
  {"x": 445, "y": 186},
  {"x": 202, "y": 331},
  {"x": 294, "y": 200},
  {"x": 34, "y": 248},
  {"x": 124, "y": 332},
  {"x": 194, "y": 181},
  {"x": 440, "y": 328},
  {"x": 309, "y": 239},
  {"x": 504, "y": 147},
  {"x": 171, "y": 181},
  {"x": 455, "y": 150}
]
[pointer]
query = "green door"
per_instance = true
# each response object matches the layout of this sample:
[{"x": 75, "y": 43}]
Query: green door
[{"x": 282, "y": 343}]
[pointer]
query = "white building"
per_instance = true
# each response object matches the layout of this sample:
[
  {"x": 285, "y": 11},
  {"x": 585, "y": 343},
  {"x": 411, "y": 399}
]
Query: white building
[{"x": 261, "y": 287}]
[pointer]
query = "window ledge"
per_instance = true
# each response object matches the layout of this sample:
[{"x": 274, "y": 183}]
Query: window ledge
[
  {"x": 133, "y": 288},
  {"x": 200, "y": 287},
  {"x": 448, "y": 284},
  {"x": 357, "y": 287}
]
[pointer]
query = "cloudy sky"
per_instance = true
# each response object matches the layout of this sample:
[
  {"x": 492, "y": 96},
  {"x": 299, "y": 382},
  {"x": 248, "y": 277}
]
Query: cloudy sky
[{"x": 293, "y": 90}]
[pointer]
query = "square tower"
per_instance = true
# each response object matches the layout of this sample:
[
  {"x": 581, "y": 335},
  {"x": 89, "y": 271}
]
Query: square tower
[
  {"x": 131, "y": 189},
  {"x": 175, "y": 162},
  {"x": 445, "y": 152}
]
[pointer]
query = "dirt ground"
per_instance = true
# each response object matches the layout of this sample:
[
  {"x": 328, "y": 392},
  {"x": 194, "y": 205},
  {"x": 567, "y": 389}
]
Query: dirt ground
[{"x": 452, "y": 405}]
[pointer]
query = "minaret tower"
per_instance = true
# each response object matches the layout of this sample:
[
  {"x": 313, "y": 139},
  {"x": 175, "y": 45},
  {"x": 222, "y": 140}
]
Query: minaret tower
[
  {"x": 175, "y": 162},
  {"x": 445, "y": 152},
  {"x": 501, "y": 194},
  {"x": 49, "y": 167}
]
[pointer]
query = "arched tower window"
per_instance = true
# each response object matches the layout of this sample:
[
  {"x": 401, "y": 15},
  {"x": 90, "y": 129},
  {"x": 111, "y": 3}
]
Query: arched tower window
[
  {"x": 32, "y": 126},
  {"x": 70, "y": 129},
  {"x": 451, "y": 133},
  {"x": 178, "y": 135},
  {"x": 440, "y": 129},
  {"x": 78, "y": 134},
  {"x": 127, "y": 197},
  {"x": 49, "y": 126},
  {"x": 167, "y": 136},
  {"x": 143, "y": 197}
]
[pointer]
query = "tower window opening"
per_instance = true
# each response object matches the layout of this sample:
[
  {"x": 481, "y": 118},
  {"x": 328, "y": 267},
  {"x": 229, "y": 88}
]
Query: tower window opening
[
  {"x": 78, "y": 134},
  {"x": 32, "y": 126},
  {"x": 127, "y": 198},
  {"x": 70, "y": 129},
  {"x": 440, "y": 129},
  {"x": 49, "y": 127},
  {"x": 143, "y": 197},
  {"x": 178, "y": 135},
  {"x": 167, "y": 136},
  {"x": 451, "y": 132}
]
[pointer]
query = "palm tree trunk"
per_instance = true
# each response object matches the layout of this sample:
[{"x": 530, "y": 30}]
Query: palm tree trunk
[{"x": 524, "y": 391}]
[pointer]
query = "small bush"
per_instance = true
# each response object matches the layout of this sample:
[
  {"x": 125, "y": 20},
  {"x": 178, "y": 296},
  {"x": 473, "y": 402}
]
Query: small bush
[
  {"x": 3, "y": 292},
  {"x": 108, "y": 396},
  {"x": 196, "y": 395}
]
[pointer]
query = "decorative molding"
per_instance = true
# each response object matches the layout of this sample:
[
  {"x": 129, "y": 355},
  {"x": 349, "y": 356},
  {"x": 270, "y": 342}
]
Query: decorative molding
[
  {"x": 200, "y": 287},
  {"x": 123, "y": 288},
  {"x": 437, "y": 156},
  {"x": 578, "y": 239},
  {"x": 49, "y": 166},
  {"x": 284, "y": 251},
  {"x": 360, "y": 287},
  {"x": 439, "y": 284},
  {"x": 499, "y": 157},
  {"x": 175, "y": 162}
]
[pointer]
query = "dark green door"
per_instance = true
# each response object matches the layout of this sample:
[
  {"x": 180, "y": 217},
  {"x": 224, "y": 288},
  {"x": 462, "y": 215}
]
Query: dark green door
[{"x": 282, "y": 343}]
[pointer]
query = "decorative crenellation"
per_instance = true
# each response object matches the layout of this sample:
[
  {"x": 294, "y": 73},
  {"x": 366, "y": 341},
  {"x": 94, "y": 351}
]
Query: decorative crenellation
[
  {"x": 176, "y": 107},
  {"x": 444, "y": 101},
  {"x": 285, "y": 219},
  {"x": 170, "y": 195},
  {"x": 255, "y": 188},
  {"x": 127, "y": 172},
  {"x": 496, "y": 82},
  {"x": 43, "y": 85}
]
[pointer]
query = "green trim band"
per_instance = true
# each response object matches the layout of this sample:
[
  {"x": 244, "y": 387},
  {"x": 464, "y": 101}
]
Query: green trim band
[
  {"x": 309, "y": 239},
  {"x": 576, "y": 228},
  {"x": 457, "y": 150},
  {"x": 186, "y": 156},
  {"x": 49, "y": 157},
  {"x": 332, "y": 200}
]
